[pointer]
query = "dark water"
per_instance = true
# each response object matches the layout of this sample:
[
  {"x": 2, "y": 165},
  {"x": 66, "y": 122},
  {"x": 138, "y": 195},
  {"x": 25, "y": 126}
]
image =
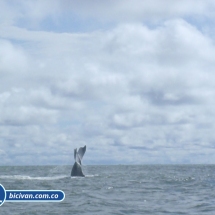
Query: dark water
[{"x": 147, "y": 189}]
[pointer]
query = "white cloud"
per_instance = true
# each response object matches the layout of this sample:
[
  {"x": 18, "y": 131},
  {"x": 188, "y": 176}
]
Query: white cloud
[
  {"x": 12, "y": 58},
  {"x": 131, "y": 93}
]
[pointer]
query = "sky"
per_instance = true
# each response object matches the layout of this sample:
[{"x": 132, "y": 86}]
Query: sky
[{"x": 132, "y": 80}]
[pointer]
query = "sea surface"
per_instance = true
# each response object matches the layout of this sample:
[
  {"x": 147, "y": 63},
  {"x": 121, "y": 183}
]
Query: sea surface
[{"x": 115, "y": 189}]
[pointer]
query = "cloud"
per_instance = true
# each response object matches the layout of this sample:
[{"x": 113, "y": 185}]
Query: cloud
[
  {"x": 72, "y": 15},
  {"x": 127, "y": 11},
  {"x": 12, "y": 58},
  {"x": 132, "y": 92}
]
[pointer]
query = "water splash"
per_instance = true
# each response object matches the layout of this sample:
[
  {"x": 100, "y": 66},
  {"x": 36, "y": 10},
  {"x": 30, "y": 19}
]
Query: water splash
[{"x": 26, "y": 177}]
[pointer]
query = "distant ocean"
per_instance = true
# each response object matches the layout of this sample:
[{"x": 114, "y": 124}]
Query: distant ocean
[{"x": 119, "y": 189}]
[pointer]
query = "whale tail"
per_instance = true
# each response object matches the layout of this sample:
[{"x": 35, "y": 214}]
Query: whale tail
[{"x": 78, "y": 155}]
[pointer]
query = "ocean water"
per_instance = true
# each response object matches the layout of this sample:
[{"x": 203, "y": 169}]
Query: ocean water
[{"x": 119, "y": 189}]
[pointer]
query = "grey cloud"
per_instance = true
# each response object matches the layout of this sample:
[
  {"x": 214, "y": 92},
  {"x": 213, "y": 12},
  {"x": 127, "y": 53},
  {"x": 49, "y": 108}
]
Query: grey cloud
[
  {"x": 142, "y": 148},
  {"x": 161, "y": 98}
]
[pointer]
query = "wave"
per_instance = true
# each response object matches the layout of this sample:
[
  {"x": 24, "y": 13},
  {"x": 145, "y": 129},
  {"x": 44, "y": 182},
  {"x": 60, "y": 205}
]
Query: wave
[
  {"x": 89, "y": 176},
  {"x": 86, "y": 176},
  {"x": 26, "y": 177},
  {"x": 46, "y": 178}
]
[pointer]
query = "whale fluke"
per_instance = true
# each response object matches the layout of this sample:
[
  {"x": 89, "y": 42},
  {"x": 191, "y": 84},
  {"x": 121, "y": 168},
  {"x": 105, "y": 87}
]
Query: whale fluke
[
  {"x": 81, "y": 151},
  {"x": 78, "y": 155}
]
